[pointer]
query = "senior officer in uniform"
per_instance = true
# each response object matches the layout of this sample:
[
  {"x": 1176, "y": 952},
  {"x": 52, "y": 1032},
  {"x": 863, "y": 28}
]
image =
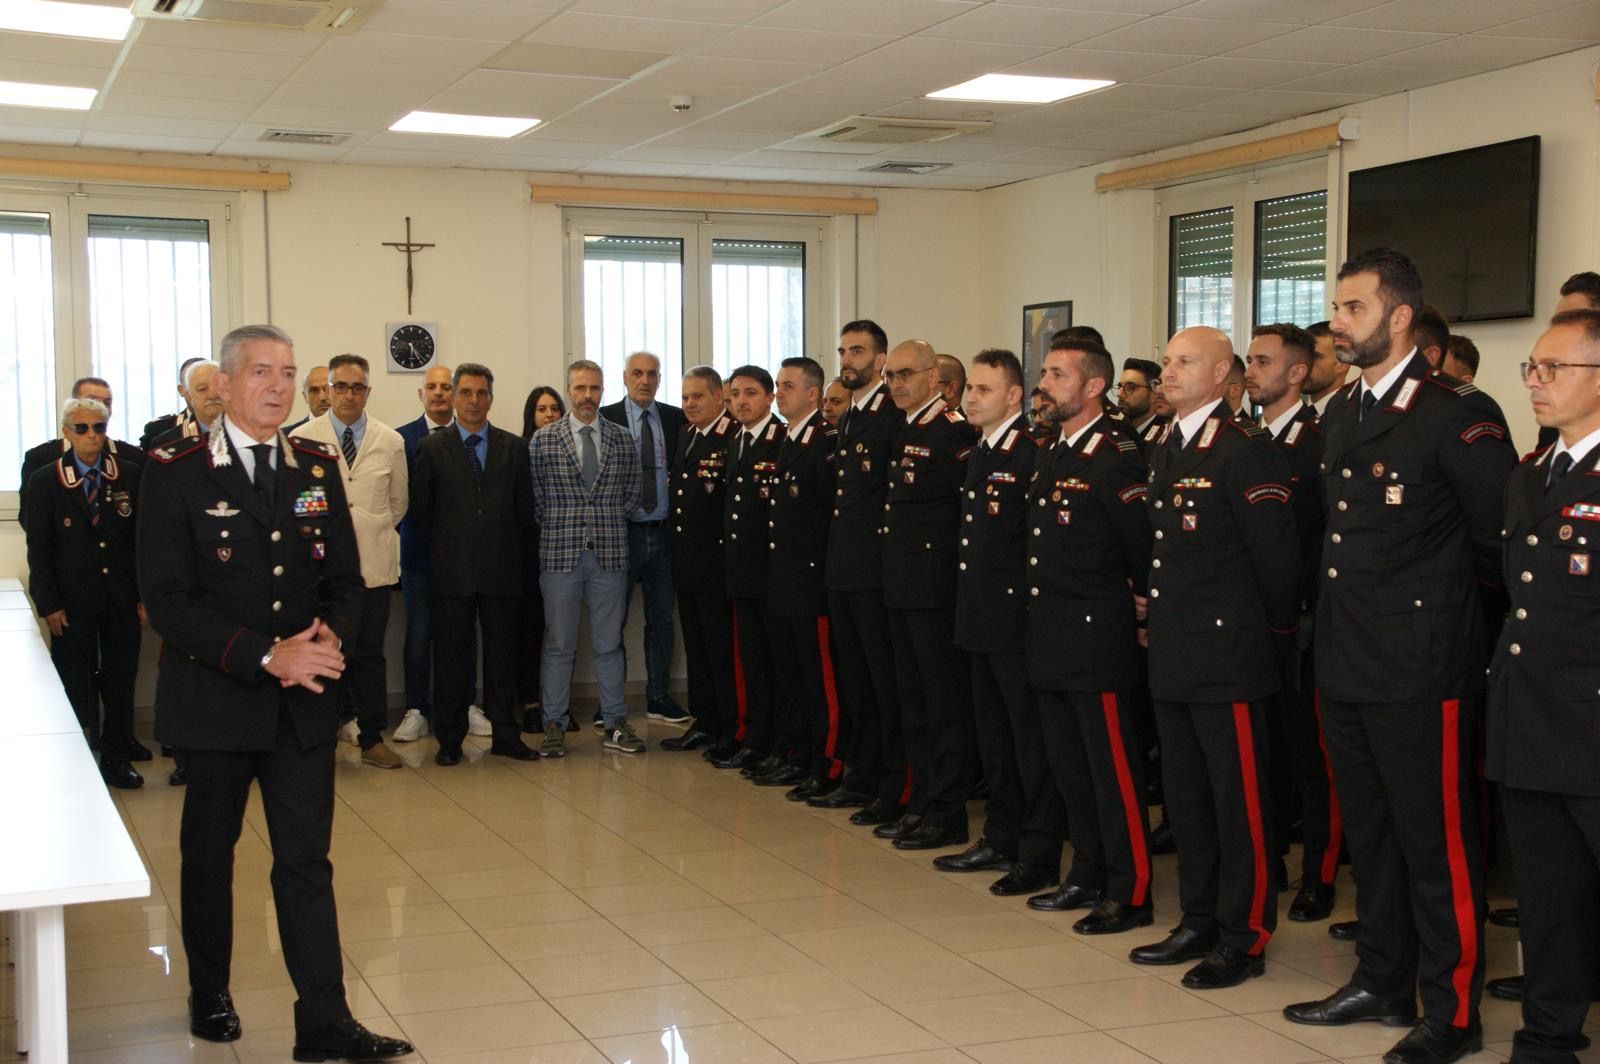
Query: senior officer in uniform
[
  {"x": 1224, "y": 597},
  {"x": 921, "y": 527},
  {"x": 248, "y": 567},
  {"x": 1023, "y": 819},
  {"x": 1413, "y": 474},
  {"x": 37, "y": 457},
  {"x": 696, "y": 485},
  {"x": 1089, "y": 532},
  {"x": 81, "y": 579},
  {"x": 1542, "y": 744}
]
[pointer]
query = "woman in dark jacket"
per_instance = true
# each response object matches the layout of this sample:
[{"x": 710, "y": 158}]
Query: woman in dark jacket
[{"x": 544, "y": 406}]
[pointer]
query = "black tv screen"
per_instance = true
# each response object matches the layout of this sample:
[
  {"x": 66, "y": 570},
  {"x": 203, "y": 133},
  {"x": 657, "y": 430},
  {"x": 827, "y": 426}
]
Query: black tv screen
[{"x": 1467, "y": 219}]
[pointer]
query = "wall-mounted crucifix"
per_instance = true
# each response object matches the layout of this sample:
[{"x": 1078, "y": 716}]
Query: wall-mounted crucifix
[{"x": 408, "y": 246}]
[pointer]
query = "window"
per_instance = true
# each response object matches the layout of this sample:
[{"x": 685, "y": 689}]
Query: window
[
  {"x": 1202, "y": 269},
  {"x": 1292, "y": 259},
  {"x": 27, "y": 337},
  {"x": 633, "y": 301},
  {"x": 758, "y": 303}
]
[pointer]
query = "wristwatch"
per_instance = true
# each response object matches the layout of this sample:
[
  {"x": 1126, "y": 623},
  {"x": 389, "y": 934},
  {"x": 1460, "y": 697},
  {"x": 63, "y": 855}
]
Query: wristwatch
[{"x": 266, "y": 659}]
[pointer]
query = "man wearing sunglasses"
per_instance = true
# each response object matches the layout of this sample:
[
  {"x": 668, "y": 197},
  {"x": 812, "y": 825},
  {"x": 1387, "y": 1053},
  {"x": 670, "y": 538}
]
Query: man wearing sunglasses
[{"x": 36, "y": 458}]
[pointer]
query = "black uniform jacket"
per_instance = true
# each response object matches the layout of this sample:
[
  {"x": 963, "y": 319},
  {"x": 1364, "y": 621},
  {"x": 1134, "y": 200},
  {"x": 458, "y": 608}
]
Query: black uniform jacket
[
  {"x": 476, "y": 525},
  {"x": 801, "y": 510},
  {"x": 861, "y": 469},
  {"x": 37, "y": 457},
  {"x": 697, "y": 485},
  {"x": 159, "y": 427},
  {"x": 922, "y": 517},
  {"x": 992, "y": 579},
  {"x": 1301, "y": 444},
  {"x": 223, "y": 578},
  {"x": 750, "y": 484},
  {"x": 1414, "y": 498},
  {"x": 1544, "y": 686},
  {"x": 1225, "y": 574},
  {"x": 73, "y": 565},
  {"x": 1089, "y": 531},
  {"x": 1152, "y": 433}
]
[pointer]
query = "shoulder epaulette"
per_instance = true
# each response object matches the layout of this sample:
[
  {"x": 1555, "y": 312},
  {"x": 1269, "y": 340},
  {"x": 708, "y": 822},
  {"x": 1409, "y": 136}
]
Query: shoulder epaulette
[
  {"x": 316, "y": 447},
  {"x": 955, "y": 416},
  {"x": 1127, "y": 446},
  {"x": 1452, "y": 384},
  {"x": 1248, "y": 428},
  {"x": 876, "y": 401},
  {"x": 1537, "y": 455},
  {"x": 721, "y": 427},
  {"x": 174, "y": 451}
]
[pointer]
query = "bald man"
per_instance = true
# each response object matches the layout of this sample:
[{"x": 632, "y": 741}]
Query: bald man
[
  {"x": 952, "y": 381},
  {"x": 1222, "y": 608}
]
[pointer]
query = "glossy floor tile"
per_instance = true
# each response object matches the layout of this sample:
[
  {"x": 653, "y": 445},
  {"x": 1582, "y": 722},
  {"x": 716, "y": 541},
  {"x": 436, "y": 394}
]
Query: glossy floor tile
[{"x": 604, "y": 909}]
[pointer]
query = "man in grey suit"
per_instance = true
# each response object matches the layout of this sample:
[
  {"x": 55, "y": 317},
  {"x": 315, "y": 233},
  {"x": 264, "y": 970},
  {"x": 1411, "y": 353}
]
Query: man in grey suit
[{"x": 586, "y": 481}]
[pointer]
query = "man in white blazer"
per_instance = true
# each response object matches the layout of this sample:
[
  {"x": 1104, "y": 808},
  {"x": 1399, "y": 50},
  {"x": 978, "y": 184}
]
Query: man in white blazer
[{"x": 372, "y": 461}]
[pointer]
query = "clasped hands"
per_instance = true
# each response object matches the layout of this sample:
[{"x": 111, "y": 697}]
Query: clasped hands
[{"x": 307, "y": 657}]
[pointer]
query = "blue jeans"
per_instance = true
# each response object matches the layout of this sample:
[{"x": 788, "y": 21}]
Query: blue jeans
[
  {"x": 419, "y": 638},
  {"x": 604, "y": 592},
  {"x": 650, "y": 563}
]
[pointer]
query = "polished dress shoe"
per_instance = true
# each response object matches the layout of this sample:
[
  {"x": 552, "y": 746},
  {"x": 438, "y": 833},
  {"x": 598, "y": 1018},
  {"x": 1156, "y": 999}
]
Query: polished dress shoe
[
  {"x": 879, "y": 812},
  {"x": 1506, "y": 988},
  {"x": 783, "y": 776},
  {"x": 809, "y": 788},
  {"x": 1348, "y": 931},
  {"x": 167, "y": 751},
  {"x": 1184, "y": 944},
  {"x": 137, "y": 751},
  {"x": 1435, "y": 1042},
  {"x": 769, "y": 764},
  {"x": 840, "y": 798},
  {"x": 692, "y": 739},
  {"x": 515, "y": 749},
  {"x": 931, "y": 836},
  {"x": 1025, "y": 879},
  {"x": 447, "y": 756},
  {"x": 1113, "y": 917},
  {"x": 907, "y": 823},
  {"x": 1067, "y": 897},
  {"x": 1511, "y": 917},
  {"x": 1313, "y": 902},
  {"x": 979, "y": 857},
  {"x": 212, "y": 1017},
  {"x": 1161, "y": 840},
  {"x": 346, "y": 1040},
  {"x": 177, "y": 777},
  {"x": 1351, "y": 1004},
  {"x": 121, "y": 774},
  {"x": 740, "y": 759},
  {"x": 1223, "y": 967}
]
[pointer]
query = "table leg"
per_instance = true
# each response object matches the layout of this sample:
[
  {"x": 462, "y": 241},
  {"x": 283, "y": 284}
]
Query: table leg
[{"x": 46, "y": 994}]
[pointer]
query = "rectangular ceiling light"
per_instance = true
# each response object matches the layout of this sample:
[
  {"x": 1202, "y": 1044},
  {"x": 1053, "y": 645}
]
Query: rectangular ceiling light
[
  {"x": 66, "y": 20},
  {"x": 63, "y": 97},
  {"x": 462, "y": 125},
  {"x": 1018, "y": 88}
]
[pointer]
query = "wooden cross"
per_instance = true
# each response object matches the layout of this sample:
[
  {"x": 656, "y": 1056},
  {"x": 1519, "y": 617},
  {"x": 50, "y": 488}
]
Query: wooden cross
[{"x": 408, "y": 246}]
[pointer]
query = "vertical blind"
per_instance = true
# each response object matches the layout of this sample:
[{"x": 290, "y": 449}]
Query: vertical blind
[
  {"x": 1201, "y": 281},
  {"x": 633, "y": 301},
  {"x": 758, "y": 306},
  {"x": 1292, "y": 259},
  {"x": 27, "y": 340}
]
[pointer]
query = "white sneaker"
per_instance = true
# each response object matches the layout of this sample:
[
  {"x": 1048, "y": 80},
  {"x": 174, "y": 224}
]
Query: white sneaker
[
  {"x": 477, "y": 723},
  {"x": 350, "y": 732},
  {"x": 413, "y": 726}
]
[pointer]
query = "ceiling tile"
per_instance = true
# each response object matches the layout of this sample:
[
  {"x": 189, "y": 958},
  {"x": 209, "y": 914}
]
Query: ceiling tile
[
  {"x": 748, "y": 73},
  {"x": 148, "y": 142},
  {"x": 41, "y": 116},
  {"x": 1196, "y": 123},
  {"x": 959, "y": 150},
  {"x": 1481, "y": 52},
  {"x": 592, "y": 133},
  {"x": 225, "y": 38},
  {"x": 250, "y": 133},
  {"x": 1338, "y": 44},
  {"x": 1126, "y": 140},
  {"x": 345, "y": 97},
  {"x": 1222, "y": 73},
  {"x": 460, "y": 103},
  {"x": 370, "y": 46},
  {"x": 432, "y": 142},
  {"x": 1015, "y": 24},
  {"x": 733, "y": 11},
  {"x": 805, "y": 46},
  {"x": 323, "y": 119},
  {"x": 429, "y": 160},
  {"x": 150, "y": 83},
  {"x": 38, "y": 48},
  {"x": 618, "y": 168},
  {"x": 1184, "y": 36},
  {"x": 166, "y": 60},
  {"x": 1015, "y": 138},
  {"x": 1143, "y": 7},
  {"x": 897, "y": 17},
  {"x": 376, "y": 75},
  {"x": 1062, "y": 156},
  {"x": 195, "y": 128},
  {"x": 1070, "y": 114},
  {"x": 537, "y": 146},
  {"x": 866, "y": 76},
  {"x": 581, "y": 29},
  {"x": 527, "y": 57},
  {"x": 128, "y": 103},
  {"x": 1275, "y": 10},
  {"x": 949, "y": 110},
  {"x": 966, "y": 58},
  {"x": 1373, "y": 79},
  {"x": 652, "y": 153},
  {"x": 996, "y": 173},
  {"x": 787, "y": 102},
  {"x": 484, "y": 22},
  {"x": 1106, "y": 66},
  {"x": 1446, "y": 16},
  {"x": 710, "y": 138},
  {"x": 256, "y": 149},
  {"x": 658, "y": 89},
  {"x": 55, "y": 74},
  {"x": 1153, "y": 97},
  {"x": 1278, "y": 103},
  {"x": 1581, "y": 22},
  {"x": 538, "y": 89},
  {"x": 540, "y": 166},
  {"x": 38, "y": 135}
]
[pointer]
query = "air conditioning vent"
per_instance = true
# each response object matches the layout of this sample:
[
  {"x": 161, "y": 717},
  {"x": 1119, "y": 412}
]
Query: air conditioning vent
[
  {"x": 905, "y": 168},
  {"x": 860, "y": 129},
  {"x": 302, "y": 136},
  {"x": 319, "y": 16}
]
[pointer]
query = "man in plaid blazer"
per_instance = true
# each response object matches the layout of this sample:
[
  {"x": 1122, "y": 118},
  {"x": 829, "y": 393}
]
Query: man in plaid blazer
[{"x": 586, "y": 480}]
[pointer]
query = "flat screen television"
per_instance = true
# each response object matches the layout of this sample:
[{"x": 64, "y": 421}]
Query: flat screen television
[{"x": 1468, "y": 219}]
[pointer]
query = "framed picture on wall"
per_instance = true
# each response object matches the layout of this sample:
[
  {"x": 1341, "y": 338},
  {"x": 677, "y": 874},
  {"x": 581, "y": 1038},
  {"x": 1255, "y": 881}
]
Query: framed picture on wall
[{"x": 1039, "y": 322}]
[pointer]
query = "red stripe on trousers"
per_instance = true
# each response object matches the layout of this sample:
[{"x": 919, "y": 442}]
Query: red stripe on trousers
[
  {"x": 1130, "y": 802},
  {"x": 741, "y": 697},
  {"x": 905, "y": 792},
  {"x": 1252, "y": 808},
  {"x": 1456, "y": 851},
  {"x": 830, "y": 691},
  {"x": 1330, "y": 854}
]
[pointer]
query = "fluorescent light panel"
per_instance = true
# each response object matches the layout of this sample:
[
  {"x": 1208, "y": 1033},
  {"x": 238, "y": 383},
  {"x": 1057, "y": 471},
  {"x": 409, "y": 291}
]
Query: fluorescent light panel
[
  {"x": 62, "y": 97},
  {"x": 462, "y": 125},
  {"x": 66, "y": 20},
  {"x": 1018, "y": 88}
]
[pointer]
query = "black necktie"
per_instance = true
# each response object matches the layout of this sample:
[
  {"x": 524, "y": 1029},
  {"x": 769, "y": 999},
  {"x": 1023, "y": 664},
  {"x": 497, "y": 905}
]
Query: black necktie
[
  {"x": 349, "y": 445},
  {"x": 844, "y": 422},
  {"x": 1369, "y": 399},
  {"x": 91, "y": 490},
  {"x": 1558, "y": 469},
  {"x": 472, "y": 455},
  {"x": 744, "y": 439},
  {"x": 1177, "y": 436},
  {"x": 437, "y": 428},
  {"x": 985, "y": 448},
  {"x": 265, "y": 478},
  {"x": 647, "y": 458}
]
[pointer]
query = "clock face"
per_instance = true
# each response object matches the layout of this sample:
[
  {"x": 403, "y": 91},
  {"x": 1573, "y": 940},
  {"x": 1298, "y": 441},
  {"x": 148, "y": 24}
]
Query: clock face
[{"x": 411, "y": 345}]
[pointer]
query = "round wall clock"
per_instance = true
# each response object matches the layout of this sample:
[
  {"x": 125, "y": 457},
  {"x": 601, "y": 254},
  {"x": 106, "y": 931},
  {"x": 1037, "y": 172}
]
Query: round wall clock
[{"x": 412, "y": 345}]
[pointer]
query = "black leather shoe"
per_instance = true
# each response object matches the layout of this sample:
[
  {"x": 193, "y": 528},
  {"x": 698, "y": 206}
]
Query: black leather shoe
[
  {"x": 693, "y": 739},
  {"x": 212, "y": 1017},
  {"x": 1313, "y": 902},
  {"x": 178, "y": 777},
  {"x": 907, "y": 823},
  {"x": 1161, "y": 840},
  {"x": 1351, "y": 1004},
  {"x": 1067, "y": 897},
  {"x": 167, "y": 751},
  {"x": 783, "y": 776},
  {"x": 979, "y": 857},
  {"x": 347, "y": 1040},
  {"x": 1435, "y": 1042},
  {"x": 930, "y": 836},
  {"x": 137, "y": 751},
  {"x": 1025, "y": 879},
  {"x": 840, "y": 798},
  {"x": 121, "y": 774},
  {"x": 1511, "y": 917},
  {"x": 769, "y": 764},
  {"x": 810, "y": 787},
  {"x": 533, "y": 721},
  {"x": 879, "y": 812},
  {"x": 447, "y": 756},
  {"x": 1184, "y": 944},
  {"x": 1348, "y": 931},
  {"x": 572, "y": 725},
  {"x": 515, "y": 749},
  {"x": 739, "y": 759},
  {"x": 1113, "y": 918},
  {"x": 1506, "y": 988},
  {"x": 1223, "y": 967}
]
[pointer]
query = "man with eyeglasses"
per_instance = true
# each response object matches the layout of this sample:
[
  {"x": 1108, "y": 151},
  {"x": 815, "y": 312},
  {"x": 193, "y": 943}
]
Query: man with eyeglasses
[
  {"x": 1136, "y": 399},
  {"x": 36, "y": 458},
  {"x": 372, "y": 461}
]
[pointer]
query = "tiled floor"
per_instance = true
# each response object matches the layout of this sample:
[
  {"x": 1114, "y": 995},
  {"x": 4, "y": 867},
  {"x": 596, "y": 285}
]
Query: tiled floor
[{"x": 651, "y": 909}]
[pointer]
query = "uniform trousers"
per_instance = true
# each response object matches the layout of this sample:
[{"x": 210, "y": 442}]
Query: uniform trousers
[
  {"x": 1321, "y": 819},
  {"x": 869, "y": 691},
  {"x": 366, "y": 675},
  {"x": 453, "y": 618},
  {"x": 1407, "y": 794},
  {"x": 706, "y": 619},
  {"x": 96, "y": 656},
  {"x": 1213, "y": 759},
  {"x": 810, "y": 728},
  {"x": 935, "y": 687},
  {"x": 297, "y": 798},
  {"x": 1024, "y": 817},
  {"x": 1098, "y": 766},
  {"x": 754, "y": 685}
]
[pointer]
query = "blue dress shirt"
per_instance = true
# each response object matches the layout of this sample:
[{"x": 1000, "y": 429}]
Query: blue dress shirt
[{"x": 483, "y": 442}]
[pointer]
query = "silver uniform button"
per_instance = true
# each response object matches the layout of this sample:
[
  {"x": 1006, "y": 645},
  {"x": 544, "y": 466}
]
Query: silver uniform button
[
  {"x": 1343, "y": 505},
  {"x": 277, "y": 570},
  {"x": 1158, "y": 504},
  {"x": 1345, "y": 472},
  {"x": 276, "y": 606},
  {"x": 1155, "y": 563},
  {"x": 225, "y": 534},
  {"x": 1533, "y": 541},
  {"x": 963, "y": 565},
  {"x": 1033, "y": 561},
  {"x": 1527, "y": 577},
  {"x": 1155, "y": 592},
  {"x": 1033, "y": 591},
  {"x": 1335, "y": 538},
  {"x": 1516, "y": 648},
  {"x": 1159, "y": 535},
  {"x": 1522, "y": 615},
  {"x": 105, "y": 572},
  {"x": 1333, "y": 574},
  {"x": 276, "y": 535},
  {"x": 972, "y": 495},
  {"x": 963, "y": 541},
  {"x": 1219, "y": 622},
  {"x": 1036, "y": 531}
]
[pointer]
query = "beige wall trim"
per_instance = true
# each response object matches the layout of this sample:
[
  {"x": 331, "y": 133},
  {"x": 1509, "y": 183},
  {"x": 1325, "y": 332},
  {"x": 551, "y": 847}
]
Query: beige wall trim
[
  {"x": 128, "y": 173},
  {"x": 1171, "y": 171},
  {"x": 670, "y": 199}
]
